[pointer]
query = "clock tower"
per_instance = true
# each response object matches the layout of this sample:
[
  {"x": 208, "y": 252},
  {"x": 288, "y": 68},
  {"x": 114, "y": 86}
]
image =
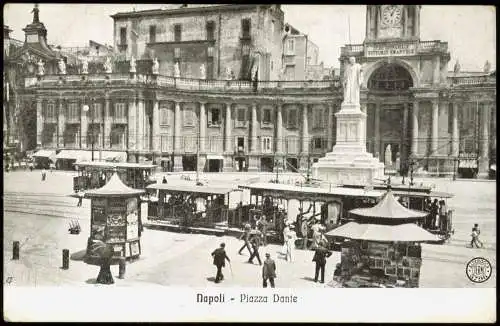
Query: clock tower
[{"x": 392, "y": 22}]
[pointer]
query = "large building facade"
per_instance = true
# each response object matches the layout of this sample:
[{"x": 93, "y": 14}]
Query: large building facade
[{"x": 426, "y": 114}]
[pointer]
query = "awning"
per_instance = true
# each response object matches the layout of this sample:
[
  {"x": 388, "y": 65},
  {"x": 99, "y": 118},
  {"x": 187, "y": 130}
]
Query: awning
[
  {"x": 45, "y": 153},
  {"x": 215, "y": 157},
  {"x": 109, "y": 155},
  {"x": 386, "y": 233},
  {"x": 68, "y": 155}
]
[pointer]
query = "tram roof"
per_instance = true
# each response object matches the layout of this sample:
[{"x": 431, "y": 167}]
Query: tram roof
[
  {"x": 191, "y": 189},
  {"x": 338, "y": 191},
  {"x": 115, "y": 165},
  {"x": 433, "y": 194}
]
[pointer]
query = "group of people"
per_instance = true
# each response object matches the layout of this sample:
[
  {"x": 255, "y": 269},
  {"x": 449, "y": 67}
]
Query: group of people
[{"x": 437, "y": 213}]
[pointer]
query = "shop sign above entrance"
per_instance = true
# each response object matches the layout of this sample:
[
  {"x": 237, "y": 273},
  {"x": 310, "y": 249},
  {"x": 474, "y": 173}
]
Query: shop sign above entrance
[{"x": 390, "y": 49}]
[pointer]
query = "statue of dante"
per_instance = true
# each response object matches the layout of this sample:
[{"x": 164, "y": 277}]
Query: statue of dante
[
  {"x": 353, "y": 79},
  {"x": 62, "y": 67},
  {"x": 156, "y": 67},
  {"x": 132, "y": 65},
  {"x": 177, "y": 71},
  {"x": 456, "y": 68},
  {"x": 85, "y": 65},
  {"x": 41, "y": 67},
  {"x": 203, "y": 72}
]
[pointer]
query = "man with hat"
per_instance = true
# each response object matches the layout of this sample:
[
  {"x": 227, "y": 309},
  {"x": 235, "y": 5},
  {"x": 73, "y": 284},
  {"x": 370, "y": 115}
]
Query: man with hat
[
  {"x": 255, "y": 242},
  {"x": 320, "y": 255},
  {"x": 246, "y": 237},
  {"x": 220, "y": 257},
  {"x": 268, "y": 271}
]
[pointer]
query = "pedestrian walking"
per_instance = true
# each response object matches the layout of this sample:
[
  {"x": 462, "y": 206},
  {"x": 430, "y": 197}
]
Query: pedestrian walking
[
  {"x": 263, "y": 225},
  {"x": 220, "y": 257},
  {"x": 286, "y": 230},
  {"x": 475, "y": 237},
  {"x": 255, "y": 242},
  {"x": 320, "y": 255},
  {"x": 290, "y": 244},
  {"x": 246, "y": 238},
  {"x": 164, "y": 181},
  {"x": 268, "y": 271},
  {"x": 80, "y": 200},
  {"x": 44, "y": 175}
]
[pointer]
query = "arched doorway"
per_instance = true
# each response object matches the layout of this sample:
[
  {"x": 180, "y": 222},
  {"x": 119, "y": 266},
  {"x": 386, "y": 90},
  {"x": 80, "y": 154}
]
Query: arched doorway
[{"x": 388, "y": 87}]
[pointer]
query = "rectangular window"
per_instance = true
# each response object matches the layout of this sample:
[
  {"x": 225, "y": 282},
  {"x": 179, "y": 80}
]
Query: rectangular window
[
  {"x": 177, "y": 53},
  {"x": 96, "y": 111},
  {"x": 319, "y": 118},
  {"x": 318, "y": 143},
  {"x": 210, "y": 30},
  {"x": 292, "y": 118},
  {"x": 266, "y": 116},
  {"x": 73, "y": 112},
  {"x": 152, "y": 34},
  {"x": 240, "y": 143},
  {"x": 123, "y": 36},
  {"x": 245, "y": 28},
  {"x": 164, "y": 117},
  {"x": 188, "y": 117},
  {"x": 290, "y": 46},
  {"x": 214, "y": 118},
  {"x": 50, "y": 111},
  {"x": 120, "y": 112},
  {"x": 210, "y": 51},
  {"x": 241, "y": 117},
  {"x": 266, "y": 145},
  {"x": 177, "y": 32}
]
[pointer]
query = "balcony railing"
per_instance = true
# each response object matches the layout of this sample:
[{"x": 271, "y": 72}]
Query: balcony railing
[
  {"x": 191, "y": 84},
  {"x": 471, "y": 80}
]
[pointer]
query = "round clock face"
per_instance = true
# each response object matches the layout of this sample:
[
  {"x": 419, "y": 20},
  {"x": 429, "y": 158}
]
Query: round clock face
[{"x": 391, "y": 15}]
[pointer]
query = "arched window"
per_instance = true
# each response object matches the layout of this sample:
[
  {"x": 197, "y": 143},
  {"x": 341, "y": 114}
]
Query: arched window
[{"x": 390, "y": 78}]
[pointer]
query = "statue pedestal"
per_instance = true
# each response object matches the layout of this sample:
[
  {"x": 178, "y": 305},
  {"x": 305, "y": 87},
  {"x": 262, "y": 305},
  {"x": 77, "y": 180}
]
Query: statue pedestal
[{"x": 349, "y": 162}]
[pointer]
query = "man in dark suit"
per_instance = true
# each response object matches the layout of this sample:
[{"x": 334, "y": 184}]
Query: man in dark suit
[
  {"x": 320, "y": 255},
  {"x": 268, "y": 271},
  {"x": 220, "y": 257},
  {"x": 255, "y": 242}
]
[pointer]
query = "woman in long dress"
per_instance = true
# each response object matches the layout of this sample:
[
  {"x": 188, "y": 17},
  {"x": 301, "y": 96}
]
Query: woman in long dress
[
  {"x": 286, "y": 230},
  {"x": 290, "y": 244}
]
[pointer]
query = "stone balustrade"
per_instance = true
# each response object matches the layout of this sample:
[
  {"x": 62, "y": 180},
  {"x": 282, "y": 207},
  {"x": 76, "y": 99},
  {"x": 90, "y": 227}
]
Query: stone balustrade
[
  {"x": 471, "y": 80},
  {"x": 177, "y": 83}
]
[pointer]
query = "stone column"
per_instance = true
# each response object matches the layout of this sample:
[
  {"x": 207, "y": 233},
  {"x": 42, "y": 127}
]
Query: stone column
[
  {"x": 156, "y": 126},
  {"x": 305, "y": 130},
  {"x": 405, "y": 23},
  {"x": 367, "y": 30},
  {"x": 435, "y": 125},
  {"x": 279, "y": 128},
  {"x": 362, "y": 125},
  {"x": 107, "y": 122},
  {"x": 61, "y": 123},
  {"x": 416, "y": 23},
  {"x": 203, "y": 127},
  {"x": 177, "y": 127},
  {"x": 329, "y": 127},
  {"x": 253, "y": 134},
  {"x": 454, "y": 130},
  {"x": 132, "y": 136},
  {"x": 140, "y": 124},
  {"x": 227, "y": 129},
  {"x": 436, "y": 76},
  {"x": 83, "y": 125},
  {"x": 39, "y": 122},
  {"x": 484, "y": 135},
  {"x": 405, "y": 132},
  {"x": 414, "y": 134},
  {"x": 376, "y": 131}
]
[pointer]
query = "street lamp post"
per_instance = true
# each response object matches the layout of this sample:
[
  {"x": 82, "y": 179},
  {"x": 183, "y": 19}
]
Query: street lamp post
[{"x": 86, "y": 108}]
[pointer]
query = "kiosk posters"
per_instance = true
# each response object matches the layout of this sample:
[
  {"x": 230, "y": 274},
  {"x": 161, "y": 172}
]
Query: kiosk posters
[
  {"x": 98, "y": 218},
  {"x": 132, "y": 219},
  {"x": 116, "y": 222}
]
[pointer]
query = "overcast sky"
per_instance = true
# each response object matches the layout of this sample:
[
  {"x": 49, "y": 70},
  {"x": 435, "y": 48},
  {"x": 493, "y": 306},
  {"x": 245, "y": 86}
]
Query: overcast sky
[{"x": 469, "y": 30}]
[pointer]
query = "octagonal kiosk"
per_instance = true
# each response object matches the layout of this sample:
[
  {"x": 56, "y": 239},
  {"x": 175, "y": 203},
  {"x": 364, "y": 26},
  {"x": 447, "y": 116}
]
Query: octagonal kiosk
[{"x": 115, "y": 219}]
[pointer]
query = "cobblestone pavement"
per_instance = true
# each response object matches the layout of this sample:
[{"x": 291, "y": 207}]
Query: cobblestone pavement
[{"x": 37, "y": 214}]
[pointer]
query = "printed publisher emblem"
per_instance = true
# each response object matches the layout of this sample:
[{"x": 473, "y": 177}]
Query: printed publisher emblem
[{"x": 478, "y": 270}]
